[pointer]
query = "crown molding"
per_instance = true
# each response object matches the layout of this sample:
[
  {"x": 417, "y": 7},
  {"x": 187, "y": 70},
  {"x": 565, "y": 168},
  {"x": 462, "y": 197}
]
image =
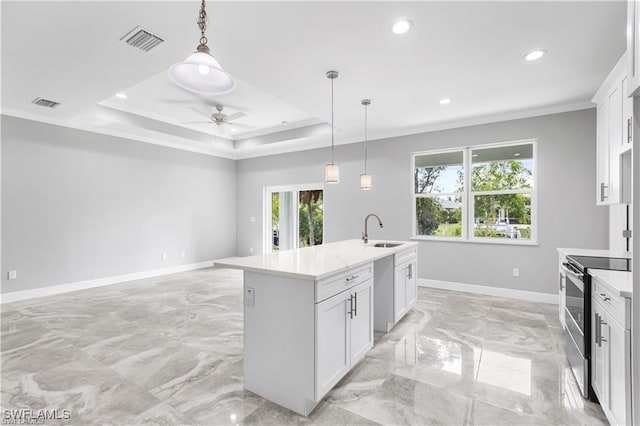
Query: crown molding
[{"x": 314, "y": 142}]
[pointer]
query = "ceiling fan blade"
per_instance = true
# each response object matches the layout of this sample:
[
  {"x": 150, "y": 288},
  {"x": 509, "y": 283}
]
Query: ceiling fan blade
[
  {"x": 235, "y": 116},
  {"x": 242, "y": 126},
  {"x": 197, "y": 122}
]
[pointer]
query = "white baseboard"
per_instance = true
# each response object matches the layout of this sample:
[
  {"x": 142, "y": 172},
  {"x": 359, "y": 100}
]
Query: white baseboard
[
  {"x": 530, "y": 296},
  {"x": 98, "y": 282}
]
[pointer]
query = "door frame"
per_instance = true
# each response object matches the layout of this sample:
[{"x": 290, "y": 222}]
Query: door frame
[{"x": 267, "y": 193}]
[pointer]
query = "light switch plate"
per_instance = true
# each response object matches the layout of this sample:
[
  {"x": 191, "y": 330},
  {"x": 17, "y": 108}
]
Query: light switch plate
[{"x": 249, "y": 296}]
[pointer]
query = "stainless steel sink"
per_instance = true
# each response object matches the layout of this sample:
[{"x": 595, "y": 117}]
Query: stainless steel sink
[{"x": 387, "y": 245}]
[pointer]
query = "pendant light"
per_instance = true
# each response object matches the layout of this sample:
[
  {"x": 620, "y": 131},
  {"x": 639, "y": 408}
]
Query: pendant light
[
  {"x": 200, "y": 72},
  {"x": 332, "y": 170},
  {"x": 365, "y": 179}
]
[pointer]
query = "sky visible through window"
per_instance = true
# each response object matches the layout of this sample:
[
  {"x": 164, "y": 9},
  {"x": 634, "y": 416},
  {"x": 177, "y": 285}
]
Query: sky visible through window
[{"x": 448, "y": 179}]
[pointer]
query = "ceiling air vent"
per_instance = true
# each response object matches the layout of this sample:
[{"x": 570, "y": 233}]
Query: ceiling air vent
[
  {"x": 45, "y": 103},
  {"x": 142, "y": 39}
]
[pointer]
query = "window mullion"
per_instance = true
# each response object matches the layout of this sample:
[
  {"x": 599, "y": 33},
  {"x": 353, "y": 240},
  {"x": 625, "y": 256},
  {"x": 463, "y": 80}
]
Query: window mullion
[{"x": 467, "y": 205}]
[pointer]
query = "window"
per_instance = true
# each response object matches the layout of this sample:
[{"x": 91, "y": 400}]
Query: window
[
  {"x": 438, "y": 188},
  {"x": 482, "y": 193}
]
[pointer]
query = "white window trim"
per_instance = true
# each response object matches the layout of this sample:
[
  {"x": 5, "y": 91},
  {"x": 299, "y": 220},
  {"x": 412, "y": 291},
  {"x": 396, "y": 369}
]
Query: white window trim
[
  {"x": 267, "y": 192},
  {"x": 467, "y": 197}
]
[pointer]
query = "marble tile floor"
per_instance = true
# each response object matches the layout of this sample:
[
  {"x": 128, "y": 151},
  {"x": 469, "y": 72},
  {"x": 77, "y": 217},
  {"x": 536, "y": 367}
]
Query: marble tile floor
[{"x": 168, "y": 351}]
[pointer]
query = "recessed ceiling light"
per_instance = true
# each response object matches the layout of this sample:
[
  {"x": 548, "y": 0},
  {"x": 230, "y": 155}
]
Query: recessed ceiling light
[
  {"x": 517, "y": 154},
  {"x": 444, "y": 101},
  {"x": 534, "y": 55},
  {"x": 284, "y": 123},
  {"x": 121, "y": 95},
  {"x": 233, "y": 129},
  {"x": 402, "y": 26}
]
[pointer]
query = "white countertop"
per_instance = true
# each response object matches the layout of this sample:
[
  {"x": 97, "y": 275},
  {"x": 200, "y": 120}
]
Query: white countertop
[
  {"x": 315, "y": 262},
  {"x": 620, "y": 282},
  {"x": 594, "y": 252}
]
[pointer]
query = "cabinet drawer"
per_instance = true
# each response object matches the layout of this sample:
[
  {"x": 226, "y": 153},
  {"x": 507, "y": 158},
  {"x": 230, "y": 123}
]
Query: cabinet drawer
[
  {"x": 334, "y": 284},
  {"x": 614, "y": 304},
  {"x": 405, "y": 256}
]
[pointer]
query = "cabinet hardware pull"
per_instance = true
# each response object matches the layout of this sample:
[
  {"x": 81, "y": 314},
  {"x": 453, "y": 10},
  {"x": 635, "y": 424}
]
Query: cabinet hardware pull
[
  {"x": 602, "y": 188},
  {"x": 350, "y": 307},
  {"x": 604, "y": 297},
  {"x": 598, "y": 331},
  {"x": 410, "y": 271},
  {"x": 352, "y": 277},
  {"x": 629, "y": 130},
  {"x": 355, "y": 304}
]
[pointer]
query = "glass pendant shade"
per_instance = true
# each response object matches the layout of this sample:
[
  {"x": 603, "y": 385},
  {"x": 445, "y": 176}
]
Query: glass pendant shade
[
  {"x": 201, "y": 73},
  {"x": 332, "y": 173},
  {"x": 365, "y": 182}
]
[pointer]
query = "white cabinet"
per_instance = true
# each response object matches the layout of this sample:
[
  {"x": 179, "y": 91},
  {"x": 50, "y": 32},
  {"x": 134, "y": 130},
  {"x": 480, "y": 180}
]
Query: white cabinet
[
  {"x": 633, "y": 48},
  {"x": 599, "y": 346},
  {"x": 627, "y": 117},
  {"x": 361, "y": 321},
  {"x": 344, "y": 333},
  {"x": 395, "y": 288},
  {"x": 614, "y": 136},
  {"x": 611, "y": 354},
  {"x": 404, "y": 288},
  {"x": 602, "y": 154},
  {"x": 333, "y": 336}
]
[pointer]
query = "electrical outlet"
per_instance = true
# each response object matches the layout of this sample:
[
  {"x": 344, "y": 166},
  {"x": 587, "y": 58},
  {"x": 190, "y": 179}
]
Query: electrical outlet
[
  {"x": 182, "y": 254},
  {"x": 249, "y": 296},
  {"x": 250, "y": 249},
  {"x": 12, "y": 275},
  {"x": 253, "y": 219},
  {"x": 164, "y": 256},
  {"x": 516, "y": 272}
]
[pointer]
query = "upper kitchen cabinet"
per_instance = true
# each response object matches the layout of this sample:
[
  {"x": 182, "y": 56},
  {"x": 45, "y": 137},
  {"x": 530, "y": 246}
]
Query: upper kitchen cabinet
[
  {"x": 614, "y": 136},
  {"x": 633, "y": 48}
]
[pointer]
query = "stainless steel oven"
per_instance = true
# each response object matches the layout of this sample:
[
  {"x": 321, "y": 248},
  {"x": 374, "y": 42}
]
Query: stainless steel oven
[{"x": 578, "y": 313}]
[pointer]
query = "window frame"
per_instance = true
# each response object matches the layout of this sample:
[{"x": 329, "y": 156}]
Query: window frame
[{"x": 468, "y": 200}]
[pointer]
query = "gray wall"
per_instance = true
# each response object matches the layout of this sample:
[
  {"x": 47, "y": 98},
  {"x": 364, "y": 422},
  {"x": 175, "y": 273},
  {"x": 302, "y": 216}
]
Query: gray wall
[
  {"x": 78, "y": 205},
  {"x": 567, "y": 213}
]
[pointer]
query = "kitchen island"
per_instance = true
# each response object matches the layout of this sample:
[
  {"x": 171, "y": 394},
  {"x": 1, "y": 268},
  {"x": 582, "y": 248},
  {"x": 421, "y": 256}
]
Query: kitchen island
[{"x": 310, "y": 313}]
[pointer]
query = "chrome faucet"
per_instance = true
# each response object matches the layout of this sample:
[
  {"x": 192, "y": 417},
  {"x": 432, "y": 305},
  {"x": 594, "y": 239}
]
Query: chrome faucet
[{"x": 365, "y": 235}]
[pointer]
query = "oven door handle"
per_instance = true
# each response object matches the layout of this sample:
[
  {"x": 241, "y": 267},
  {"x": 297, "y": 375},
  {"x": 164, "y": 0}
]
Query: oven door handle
[{"x": 579, "y": 277}]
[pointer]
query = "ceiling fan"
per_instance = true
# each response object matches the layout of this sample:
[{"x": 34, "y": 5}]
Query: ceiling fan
[{"x": 220, "y": 119}]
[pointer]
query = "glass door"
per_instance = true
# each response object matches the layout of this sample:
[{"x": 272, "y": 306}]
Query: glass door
[{"x": 294, "y": 217}]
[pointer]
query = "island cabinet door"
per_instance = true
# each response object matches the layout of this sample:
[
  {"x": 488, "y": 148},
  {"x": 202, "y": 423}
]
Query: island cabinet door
[
  {"x": 400, "y": 292},
  {"x": 333, "y": 335},
  {"x": 410, "y": 281},
  {"x": 362, "y": 321}
]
